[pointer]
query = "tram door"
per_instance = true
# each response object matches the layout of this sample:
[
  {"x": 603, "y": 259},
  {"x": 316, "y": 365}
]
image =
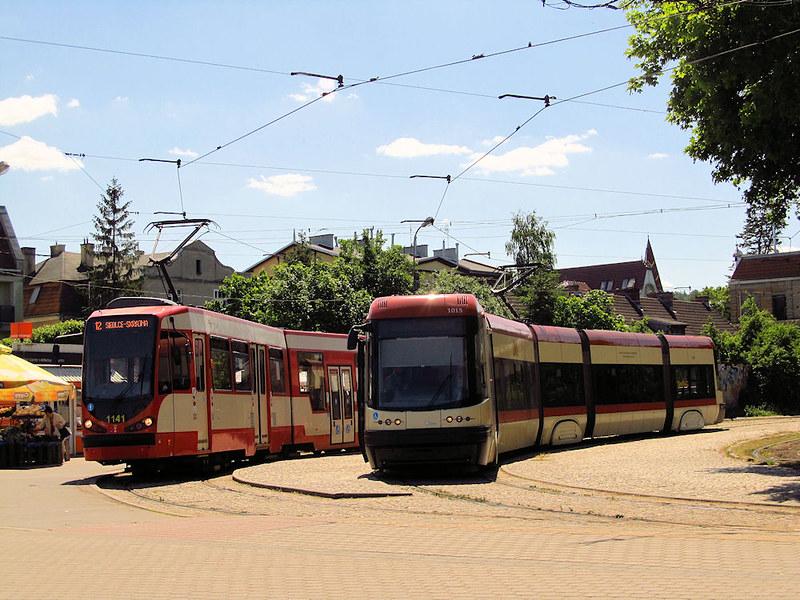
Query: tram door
[
  {"x": 200, "y": 392},
  {"x": 260, "y": 387},
  {"x": 340, "y": 400}
]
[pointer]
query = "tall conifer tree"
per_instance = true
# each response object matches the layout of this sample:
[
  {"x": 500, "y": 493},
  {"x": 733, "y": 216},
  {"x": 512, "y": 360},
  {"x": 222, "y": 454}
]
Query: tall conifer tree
[{"x": 115, "y": 271}]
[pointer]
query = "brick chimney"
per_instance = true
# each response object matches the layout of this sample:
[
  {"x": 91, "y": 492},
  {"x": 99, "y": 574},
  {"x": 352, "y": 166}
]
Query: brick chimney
[
  {"x": 87, "y": 256},
  {"x": 57, "y": 250},
  {"x": 631, "y": 294},
  {"x": 704, "y": 300},
  {"x": 28, "y": 261}
]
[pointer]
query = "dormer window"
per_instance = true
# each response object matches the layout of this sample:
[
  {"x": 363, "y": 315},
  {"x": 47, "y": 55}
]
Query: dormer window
[{"x": 607, "y": 286}]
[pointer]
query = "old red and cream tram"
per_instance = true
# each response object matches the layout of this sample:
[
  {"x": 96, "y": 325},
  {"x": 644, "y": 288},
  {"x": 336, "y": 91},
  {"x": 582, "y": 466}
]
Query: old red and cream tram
[
  {"x": 445, "y": 381},
  {"x": 163, "y": 381}
]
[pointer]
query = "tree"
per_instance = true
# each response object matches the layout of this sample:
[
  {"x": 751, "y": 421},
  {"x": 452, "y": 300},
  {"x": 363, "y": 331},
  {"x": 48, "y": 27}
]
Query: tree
[
  {"x": 448, "y": 282},
  {"x": 740, "y": 104},
  {"x": 116, "y": 255},
  {"x": 531, "y": 243},
  {"x": 371, "y": 266},
  {"x": 592, "y": 310}
]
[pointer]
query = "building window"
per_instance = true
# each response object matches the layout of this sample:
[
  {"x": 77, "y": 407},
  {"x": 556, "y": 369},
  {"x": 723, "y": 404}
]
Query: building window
[
  {"x": 34, "y": 295},
  {"x": 607, "y": 286},
  {"x": 198, "y": 267},
  {"x": 628, "y": 283},
  {"x": 218, "y": 295},
  {"x": 779, "y": 307}
]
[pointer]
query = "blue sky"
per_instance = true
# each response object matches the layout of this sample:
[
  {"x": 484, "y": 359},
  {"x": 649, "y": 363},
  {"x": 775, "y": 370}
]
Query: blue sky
[{"x": 127, "y": 107}]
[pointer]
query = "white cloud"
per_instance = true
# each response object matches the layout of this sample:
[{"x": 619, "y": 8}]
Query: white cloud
[
  {"x": 492, "y": 141},
  {"x": 412, "y": 148},
  {"x": 121, "y": 99},
  {"x": 184, "y": 153},
  {"x": 323, "y": 86},
  {"x": 29, "y": 77},
  {"x": 46, "y": 178},
  {"x": 287, "y": 185},
  {"x": 538, "y": 160},
  {"x": 27, "y": 154},
  {"x": 657, "y": 156},
  {"x": 74, "y": 103},
  {"x": 24, "y": 109}
]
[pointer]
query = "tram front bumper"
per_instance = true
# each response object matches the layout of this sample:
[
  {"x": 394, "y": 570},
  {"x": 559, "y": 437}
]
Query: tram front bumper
[{"x": 464, "y": 445}]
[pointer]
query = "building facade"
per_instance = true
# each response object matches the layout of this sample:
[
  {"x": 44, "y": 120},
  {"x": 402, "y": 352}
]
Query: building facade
[
  {"x": 772, "y": 280},
  {"x": 11, "y": 275}
]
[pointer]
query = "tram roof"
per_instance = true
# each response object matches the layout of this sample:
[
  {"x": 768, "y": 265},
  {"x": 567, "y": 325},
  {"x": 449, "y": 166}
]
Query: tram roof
[
  {"x": 689, "y": 341},
  {"x": 564, "y": 335},
  {"x": 430, "y": 305},
  {"x": 599, "y": 337}
]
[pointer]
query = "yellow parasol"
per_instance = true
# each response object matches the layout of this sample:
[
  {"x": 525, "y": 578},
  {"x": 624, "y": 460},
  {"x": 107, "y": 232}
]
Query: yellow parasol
[{"x": 25, "y": 382}]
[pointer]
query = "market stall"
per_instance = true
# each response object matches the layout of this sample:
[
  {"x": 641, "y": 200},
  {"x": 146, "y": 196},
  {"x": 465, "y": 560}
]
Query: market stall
[{"x": 24, "y": 390}]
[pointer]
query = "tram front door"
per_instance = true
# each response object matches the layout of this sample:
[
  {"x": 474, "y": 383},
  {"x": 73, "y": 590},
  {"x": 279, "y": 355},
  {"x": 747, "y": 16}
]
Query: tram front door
[{"x": 340, "y": 399}]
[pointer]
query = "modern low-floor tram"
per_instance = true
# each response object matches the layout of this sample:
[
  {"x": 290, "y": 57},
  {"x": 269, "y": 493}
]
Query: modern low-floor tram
[
  {"x": 163, "y": 382},
  {"x": 445, "y": 381}
]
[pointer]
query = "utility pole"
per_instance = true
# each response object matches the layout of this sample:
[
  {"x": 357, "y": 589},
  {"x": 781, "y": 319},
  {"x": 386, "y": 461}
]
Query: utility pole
[{"x": 423, "y": 223}]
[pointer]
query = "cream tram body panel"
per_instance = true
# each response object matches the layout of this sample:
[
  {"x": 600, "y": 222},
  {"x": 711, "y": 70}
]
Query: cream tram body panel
[
  {"x": 566, "y": 432},
  {"x": 622, "y": 421}
]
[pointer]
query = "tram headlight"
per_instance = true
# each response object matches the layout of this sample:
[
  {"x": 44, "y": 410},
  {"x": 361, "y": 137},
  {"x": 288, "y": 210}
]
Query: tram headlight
[
  {"x": 87, "y": 424},
  {"x": 449, "y": 419},
  {"x": 147, "y": 421},
  {"x": 397, "y": 421},
  {"x": 459, "y": 418}
]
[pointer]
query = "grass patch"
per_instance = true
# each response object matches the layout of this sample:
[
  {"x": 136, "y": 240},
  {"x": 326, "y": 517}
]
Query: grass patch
[{"x": 744, "y": 450}]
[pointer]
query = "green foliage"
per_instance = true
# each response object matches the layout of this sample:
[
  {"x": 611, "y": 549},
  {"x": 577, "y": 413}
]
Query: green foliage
[
  {"x": 740, "y": 106},
  {"x": 539, "y": 295},
  {"x": 762, "y": 410},
  {"x": 448, "y": 282},
  {"x": 771, "y": 349},
  {"x": 315, "y": 295},
  {"x": 116, "y": 255},
  {"x": 372, "y": 267},
  {"x": 531, "y": 243},
  {"x": 593, "y": 310},
  {"x": 47, "y": 334}
]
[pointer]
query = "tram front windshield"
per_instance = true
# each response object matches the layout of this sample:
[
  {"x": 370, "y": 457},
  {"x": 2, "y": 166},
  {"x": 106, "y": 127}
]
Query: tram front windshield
[
  {"x": 118, "y": 366},
  {"x": 423, "y": 364}
]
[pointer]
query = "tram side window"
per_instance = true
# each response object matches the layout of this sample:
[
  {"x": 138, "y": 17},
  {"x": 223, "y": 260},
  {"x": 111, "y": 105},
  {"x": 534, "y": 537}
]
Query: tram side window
[
  {"x": 514, "y": 384},
  {"x": 693, "y": 381},
  {"x": 242, "y": 370},
  {"x": 627, "y": 384},
  {"x": 276, "y": 371},
  {"x": 173, "y": 362},
  {"x": 312, "y": 376},
  {"x": 562, "y": 384},
  {"x": 220, "y": 364}
]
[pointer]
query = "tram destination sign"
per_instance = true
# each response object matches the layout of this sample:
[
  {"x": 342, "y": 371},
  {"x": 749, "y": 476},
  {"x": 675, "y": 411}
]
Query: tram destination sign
[{"x": 118, "y": 324}]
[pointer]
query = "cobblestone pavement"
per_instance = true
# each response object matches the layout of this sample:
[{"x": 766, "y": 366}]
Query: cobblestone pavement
[{"x": 466, "y": 537}]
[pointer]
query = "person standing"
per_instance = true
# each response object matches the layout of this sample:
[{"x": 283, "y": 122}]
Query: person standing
[{"x": 54, "y": 425}]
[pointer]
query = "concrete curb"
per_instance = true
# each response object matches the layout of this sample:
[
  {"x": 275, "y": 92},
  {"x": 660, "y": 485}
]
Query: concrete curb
[{"x": 318, "y": 493}]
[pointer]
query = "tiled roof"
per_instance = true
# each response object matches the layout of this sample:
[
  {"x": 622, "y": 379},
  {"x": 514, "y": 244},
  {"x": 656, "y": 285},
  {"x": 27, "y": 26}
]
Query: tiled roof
[
  {"x": 594, "y": 275},
  {"x": 767, "y": 266},
  {"x": 691, "y": 314},
  {"x": 63, "y": 267},
  {"x": 280, "y": 252},
  {"x": 696, "y": 314}
]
